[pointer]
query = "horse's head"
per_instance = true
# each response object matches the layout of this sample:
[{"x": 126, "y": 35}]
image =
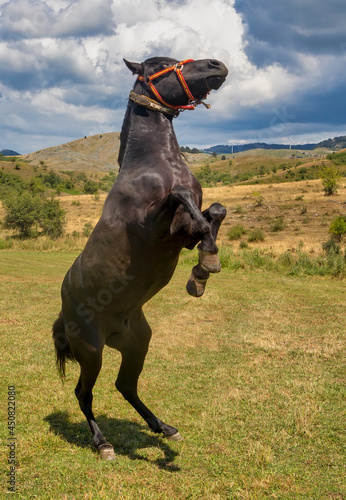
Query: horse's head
[{"x": 179, "y": 85}]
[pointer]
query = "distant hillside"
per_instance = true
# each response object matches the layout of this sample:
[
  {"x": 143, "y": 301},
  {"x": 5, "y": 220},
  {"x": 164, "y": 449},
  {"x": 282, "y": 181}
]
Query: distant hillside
[
  {"x": 94, "y": 153},
  {"x": 238, "y": 148},
  {"x": 97, "y": 152},
  {"x": 336, "y": 143},
  {"x": 100, "y": 152},
  {"x": 9, "y": 152}
]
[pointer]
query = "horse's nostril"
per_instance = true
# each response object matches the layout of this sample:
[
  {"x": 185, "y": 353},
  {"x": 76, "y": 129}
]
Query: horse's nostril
[{"x": 214, "y": 63}]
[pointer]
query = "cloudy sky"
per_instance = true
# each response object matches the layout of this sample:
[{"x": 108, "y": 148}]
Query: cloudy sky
[{"x": 62, "y": 76}]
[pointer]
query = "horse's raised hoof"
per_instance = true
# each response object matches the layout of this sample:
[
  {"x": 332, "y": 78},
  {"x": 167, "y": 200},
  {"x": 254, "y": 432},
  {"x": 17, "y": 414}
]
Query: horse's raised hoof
[
  {"x": 197, "y": 281},
  {"x": 209, "y": 261},
  {"x": 175, "y": 437},
  {"x": 194, "y": 287},
  {"x": 106, "y": 452}
]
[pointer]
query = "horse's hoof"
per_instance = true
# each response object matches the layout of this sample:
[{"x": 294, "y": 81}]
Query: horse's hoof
[
  {"x": 175, "y": 437},
  {"x": 106, "y": 452},
  {"x": 209, "y": 261},
  {"x": 194, "y": 287}
]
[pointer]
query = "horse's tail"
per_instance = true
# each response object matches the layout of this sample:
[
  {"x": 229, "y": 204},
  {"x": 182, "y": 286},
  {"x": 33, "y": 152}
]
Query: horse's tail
[{"x": 61, "y": 344}]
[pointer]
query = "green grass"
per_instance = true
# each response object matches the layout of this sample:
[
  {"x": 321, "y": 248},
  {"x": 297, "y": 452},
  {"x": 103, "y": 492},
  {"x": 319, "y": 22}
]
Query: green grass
[{"x": 251, "y": 374}]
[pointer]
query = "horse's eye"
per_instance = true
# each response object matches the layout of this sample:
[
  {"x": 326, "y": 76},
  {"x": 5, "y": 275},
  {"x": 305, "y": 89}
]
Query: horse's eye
[{"x": 165, "y": 66}]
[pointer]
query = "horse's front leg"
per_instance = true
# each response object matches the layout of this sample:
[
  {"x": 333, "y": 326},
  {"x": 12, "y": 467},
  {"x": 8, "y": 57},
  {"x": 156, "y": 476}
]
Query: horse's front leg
[
  {"x": 209, "y": 261},
  {"x": 207, "y": 249},
  {"x": 205, "y": 229}
]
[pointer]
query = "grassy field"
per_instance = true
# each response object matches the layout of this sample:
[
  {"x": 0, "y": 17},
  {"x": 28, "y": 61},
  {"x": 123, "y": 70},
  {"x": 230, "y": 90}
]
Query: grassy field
[{"x": 251, "y": 374}]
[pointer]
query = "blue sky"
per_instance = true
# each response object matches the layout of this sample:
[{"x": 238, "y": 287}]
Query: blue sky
[{"x": 62, "y": 75}]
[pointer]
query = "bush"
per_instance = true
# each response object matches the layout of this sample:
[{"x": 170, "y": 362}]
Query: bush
[
  {"x": 277, "y": 225},
  {"x": 236, "y": 232},
  {"x": 26, "y": 211},
  {"x": 6, "y": 243},
  {"x": 256, "y": 235},
  {"x": 338, "y": 227},
  {"x": 91, "y": 187},
  {"x": 330, "y": 247},
  {"x": 23, "y": 212},
  {"x": 330, "y": 177},
  {"x": 87, "y": 229},
  {"x": 258, "y": 198},
  {"x": 11, "y": 183},
  {"x": 52, "y": 219}
]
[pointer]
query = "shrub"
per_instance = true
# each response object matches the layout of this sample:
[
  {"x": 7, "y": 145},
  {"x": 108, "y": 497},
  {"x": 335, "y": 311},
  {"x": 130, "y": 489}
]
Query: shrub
[
  {"x": 338, "y": 227},
  {"x": 258, "y": 198},
  {"x": 52, "y": 219},
  {"x": 87, "y": 229},
  {"x": 23, "y": 212},
  {"x": 330, "y": 177},
  {"x": 26, "y": 211},
  {"x": 236, "y": 232},
  {"x": 277, "y": 225},
  {"x": 91, "y": 187},
  {"x": 330, "y": 247},
  {"x": 11, "y": 184},
  {"x": 6, "y": 243},
  {"x": 256, "y": 235}
]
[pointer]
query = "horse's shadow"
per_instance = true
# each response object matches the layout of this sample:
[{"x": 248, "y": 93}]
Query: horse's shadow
[{"x": 126, "y": 437}]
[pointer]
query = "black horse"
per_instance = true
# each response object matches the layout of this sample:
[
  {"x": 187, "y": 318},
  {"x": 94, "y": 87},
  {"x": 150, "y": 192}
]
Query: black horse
[{"x": 150, "y": 214}]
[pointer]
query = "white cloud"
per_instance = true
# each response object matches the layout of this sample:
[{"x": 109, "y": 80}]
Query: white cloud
[{"x": 64, "y": 59}]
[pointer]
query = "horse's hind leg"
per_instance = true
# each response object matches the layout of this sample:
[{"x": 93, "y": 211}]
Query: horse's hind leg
[
  {"x": 90, "y": 361},
  {"x": 133, "y": 355},
  {"x": 209, "y": 261}
]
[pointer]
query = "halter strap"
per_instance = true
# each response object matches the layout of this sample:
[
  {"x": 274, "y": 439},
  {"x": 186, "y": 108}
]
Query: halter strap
[
  {"x": 148, "y": 103},
  {"x": 177, "y": 68}
]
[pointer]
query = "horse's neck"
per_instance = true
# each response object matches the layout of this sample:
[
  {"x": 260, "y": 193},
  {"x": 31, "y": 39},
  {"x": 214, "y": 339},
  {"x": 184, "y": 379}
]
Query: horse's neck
[{"x": 144, "y": 135}]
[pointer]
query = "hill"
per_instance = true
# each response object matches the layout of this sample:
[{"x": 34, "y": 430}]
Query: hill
[
  {"x": 332, "y": 144},
  {"x": 238, "y": 148},
  {"x": 94, "y": 153},
  {"x": 99, "y": 153},
  {"x": 336, "y": 143},
  {"x": 9, "y": 152}
]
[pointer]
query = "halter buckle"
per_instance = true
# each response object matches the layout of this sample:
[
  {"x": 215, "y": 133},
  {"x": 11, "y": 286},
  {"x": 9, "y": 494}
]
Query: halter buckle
[{"x": 178, "y": 66}]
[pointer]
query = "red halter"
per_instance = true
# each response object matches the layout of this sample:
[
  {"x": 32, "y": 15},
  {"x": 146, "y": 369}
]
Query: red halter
[{"x": 177, "y": 68}]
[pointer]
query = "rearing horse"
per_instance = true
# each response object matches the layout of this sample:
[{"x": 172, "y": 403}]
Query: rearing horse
[{"x": 150, "y": 214}]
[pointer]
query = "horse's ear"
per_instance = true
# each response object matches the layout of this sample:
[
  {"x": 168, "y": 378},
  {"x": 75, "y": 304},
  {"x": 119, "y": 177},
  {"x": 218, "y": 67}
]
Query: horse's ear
[{"x": 136, "y": 68}]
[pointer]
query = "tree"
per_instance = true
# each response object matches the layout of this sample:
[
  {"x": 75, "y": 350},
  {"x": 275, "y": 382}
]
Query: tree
[
  {"x": 23, "y": 212},
  {"x": 26, "y": 211},
  {"x": 262, "y": 171},
  {"x": 330, "y": 177},
  {"x": 338, "y": 227}
]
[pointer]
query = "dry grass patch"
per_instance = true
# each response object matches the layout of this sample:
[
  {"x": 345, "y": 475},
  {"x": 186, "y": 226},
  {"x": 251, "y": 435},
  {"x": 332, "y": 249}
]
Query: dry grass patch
[{"x": 304, "y": 209}]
